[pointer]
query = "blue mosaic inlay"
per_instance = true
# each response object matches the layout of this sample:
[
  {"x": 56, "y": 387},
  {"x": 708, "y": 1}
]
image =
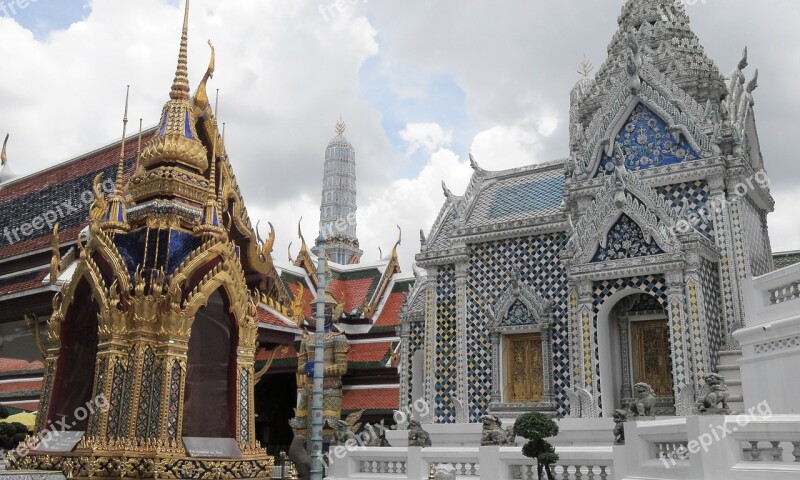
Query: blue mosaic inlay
[
  {"x": 646, "y": 142},
  {"x": 528, "y": 197}
]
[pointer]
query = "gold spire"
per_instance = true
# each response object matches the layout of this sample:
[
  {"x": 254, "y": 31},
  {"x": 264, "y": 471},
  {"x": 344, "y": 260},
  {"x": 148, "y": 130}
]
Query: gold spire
[
  {"x": 121, "y": 166},
  {"x": 3, "y": 157},
  {"x": 211, "y": 221},
  {"x": 180, "y": 86},
  {"x": 340, "y": 126}
]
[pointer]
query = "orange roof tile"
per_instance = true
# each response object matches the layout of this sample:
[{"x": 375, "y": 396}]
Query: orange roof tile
[
  {"x": 25, "y": 282},
  {"x": 23, "y": 386},
  {"x": 371, "y": 399},
  {"x": 369, "y": 352},
  {"x": 390, "y": 315},
  {"x": 11, "y": 365},
  {"x": 270, "y": 318},
  {"x": 354, "y": 291}
]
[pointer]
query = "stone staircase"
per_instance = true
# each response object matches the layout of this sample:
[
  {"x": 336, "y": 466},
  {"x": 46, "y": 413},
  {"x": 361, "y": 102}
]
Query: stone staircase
[{"x": 728, "y": 367}]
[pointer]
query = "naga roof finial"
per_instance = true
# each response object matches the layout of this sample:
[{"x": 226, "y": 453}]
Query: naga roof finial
[
  {"x": 743, "y": 63},
  {"x": 201, "y": 97},
  {"x": 753, "y": 83},
  {"x": 3, "y": 157}
]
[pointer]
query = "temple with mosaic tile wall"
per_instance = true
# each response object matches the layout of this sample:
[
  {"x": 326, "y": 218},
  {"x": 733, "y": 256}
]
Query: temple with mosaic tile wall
[
  {"x": 372, "y": 294},
  {"x": 559, "y": 286}
]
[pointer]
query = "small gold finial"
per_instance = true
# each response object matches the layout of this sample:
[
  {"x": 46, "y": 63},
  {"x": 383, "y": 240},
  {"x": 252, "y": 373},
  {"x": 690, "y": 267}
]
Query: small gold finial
[
  {"x": 3, "y": 157},
  {"x": 340, "y": 126},
  {"x": 180, "y": 86},
  {"x": 585, "y": 68},
  {"x": 121, "y": 166}
]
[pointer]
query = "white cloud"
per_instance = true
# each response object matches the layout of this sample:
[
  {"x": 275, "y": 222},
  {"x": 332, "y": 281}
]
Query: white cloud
[
  {"x": 784, "y": 229},
  {"x": 427, "y": 136},
  {"x": 510, "y": 146}
]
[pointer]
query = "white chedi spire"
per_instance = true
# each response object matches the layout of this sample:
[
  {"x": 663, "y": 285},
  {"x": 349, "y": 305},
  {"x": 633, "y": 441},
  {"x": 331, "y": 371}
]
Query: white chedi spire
[{"x": 337, "y": 222}]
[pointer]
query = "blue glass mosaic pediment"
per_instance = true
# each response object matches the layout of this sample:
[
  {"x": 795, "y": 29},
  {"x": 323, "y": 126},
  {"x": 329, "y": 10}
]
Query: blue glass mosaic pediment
[
  {"x": 646, "y": 142},
  {"x": 626, "y": 240}
]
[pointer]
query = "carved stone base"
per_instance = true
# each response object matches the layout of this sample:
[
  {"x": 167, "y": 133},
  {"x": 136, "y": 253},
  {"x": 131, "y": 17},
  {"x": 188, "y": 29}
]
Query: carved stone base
[
  {"x": 121, "y": 467},
  {"x": 516, "y": 409}
]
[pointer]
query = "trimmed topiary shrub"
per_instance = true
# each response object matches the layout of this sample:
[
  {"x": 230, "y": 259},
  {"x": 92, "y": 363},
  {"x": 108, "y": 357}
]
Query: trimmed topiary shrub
[{"x": 536, "y": 427}]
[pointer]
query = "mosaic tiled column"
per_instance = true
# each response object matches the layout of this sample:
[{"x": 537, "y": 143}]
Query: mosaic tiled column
[
  {"x": 727, "y": 222},
  {"x": 430, "y": 343},
  {"x": 404, "y": 332},
  {"x": 624, "y": 349},
  {"x": 699, "y": 331},
  {"x": 547, "y": 361},
  {"x": 462, "y": 399},
  {"x": 585, "y": 329},
  {"x": 172, "y": 391},
  {"x": 680, "y": 339},
  {"x": 113, "y": 371}
]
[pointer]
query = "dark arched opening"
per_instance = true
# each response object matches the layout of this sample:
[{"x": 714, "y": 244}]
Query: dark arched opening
[
  {"x": 72, "y": 388},
  {"x": 209, "y": 408}
]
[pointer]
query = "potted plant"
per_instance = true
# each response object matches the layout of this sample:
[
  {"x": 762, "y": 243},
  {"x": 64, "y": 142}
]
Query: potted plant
[{"x": 536, "y": 427}]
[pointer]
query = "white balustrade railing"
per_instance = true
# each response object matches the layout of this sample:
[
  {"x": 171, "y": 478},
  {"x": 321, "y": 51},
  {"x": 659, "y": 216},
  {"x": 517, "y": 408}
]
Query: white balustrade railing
[{"x": 702, "y": 448}]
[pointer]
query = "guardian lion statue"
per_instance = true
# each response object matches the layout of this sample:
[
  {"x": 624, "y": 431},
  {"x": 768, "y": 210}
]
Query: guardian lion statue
[
  {"x": 620, "y": 417},
  {"x": 342, "y": 435},
  {"x": 495, "y": 434},
  {"x": 644, "y": 401},
  {"x": 715, "y": 402},
  {"x": 417, "y": 437}
]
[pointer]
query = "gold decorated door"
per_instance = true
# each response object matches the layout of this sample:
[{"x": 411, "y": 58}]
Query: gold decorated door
[
  {"x": 652, "y": 362},
  {"x": 523, "y": 372}
]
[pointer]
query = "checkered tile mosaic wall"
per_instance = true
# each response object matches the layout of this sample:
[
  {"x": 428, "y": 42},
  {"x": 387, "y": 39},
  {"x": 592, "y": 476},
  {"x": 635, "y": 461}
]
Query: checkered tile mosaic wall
[
  {"x": 694, "y": 196},
  {"x": 492, "y": 266},
  {"x": 446, "y": 356},
  {"x": 712, "y": 306},
  {"x": 416, "y": 340}
]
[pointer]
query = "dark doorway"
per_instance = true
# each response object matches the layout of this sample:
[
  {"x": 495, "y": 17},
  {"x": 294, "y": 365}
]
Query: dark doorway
[
  {"x": 276, "y": 399},
  {"x": 72, "y": 388},
  {"x": 209, "y": 401}
]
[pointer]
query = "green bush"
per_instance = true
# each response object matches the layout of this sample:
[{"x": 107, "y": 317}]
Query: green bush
[
  {"x": 3, "y": 412},
  {"x": 536, "y": 427},
  {"x": 12, "y": 434}
]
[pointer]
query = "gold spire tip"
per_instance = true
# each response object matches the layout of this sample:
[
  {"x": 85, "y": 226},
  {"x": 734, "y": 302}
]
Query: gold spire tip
[
  {"x": 180, "y": 86},
  {"x": 121, "y": 166},
  {"x": 340, "y": 126}
]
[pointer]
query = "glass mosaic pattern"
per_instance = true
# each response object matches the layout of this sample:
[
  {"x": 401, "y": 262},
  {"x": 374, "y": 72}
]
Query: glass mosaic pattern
[
  {"x": 492, "y": 267},
  {"x": 446, "y": 358},
  {"x": 626, "y": 240},
  {"x": 646, "y": 142}
]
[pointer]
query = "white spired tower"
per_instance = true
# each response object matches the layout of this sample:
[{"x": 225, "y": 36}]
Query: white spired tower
[{"x": 337, "y": 220}]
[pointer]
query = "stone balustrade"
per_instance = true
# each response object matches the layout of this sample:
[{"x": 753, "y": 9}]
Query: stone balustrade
[{"x": 743, "y": 447}]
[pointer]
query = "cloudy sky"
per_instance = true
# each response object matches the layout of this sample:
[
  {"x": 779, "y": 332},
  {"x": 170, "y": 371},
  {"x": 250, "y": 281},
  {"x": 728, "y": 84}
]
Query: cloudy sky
[{"x": 419, "y": 83}]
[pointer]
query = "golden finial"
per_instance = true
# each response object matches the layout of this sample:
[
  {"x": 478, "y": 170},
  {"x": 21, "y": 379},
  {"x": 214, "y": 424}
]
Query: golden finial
[
  {"x": 3, "y": 157},
  {"x": 340, "y": 126},
  {"x": 180, "y": 86},
  {"x": 201, "y": 97},
  {"x": 121, "y": 166},
  {"x": 586, "y": 67},
  {"x": 399, "y": 241},
  {"x": 303, "y": 247},
  {"x": 223, "y": 132},
  {"x": 139, "y": 146},
  {"x": 289, "y": 249},
  {"x": 212, "y": 185},
  {"x": 55, "y": 259}
]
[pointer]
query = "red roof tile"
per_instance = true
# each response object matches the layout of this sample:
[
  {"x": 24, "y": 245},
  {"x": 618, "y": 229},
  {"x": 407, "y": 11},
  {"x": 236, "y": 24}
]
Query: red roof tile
[
  {"x": 390, "y": 315},
  {"x": 21, "y": 386},
  {"x": 24, "y": 282},
  {"x": 371, "y": 399},
  {"x": 270, "y": 318},
  {"x": 370, "y": 352},
  {"x": 10, "y": 365},
  {"x": 31, "y": 188},
  {"x": 354, "y": 291}
]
